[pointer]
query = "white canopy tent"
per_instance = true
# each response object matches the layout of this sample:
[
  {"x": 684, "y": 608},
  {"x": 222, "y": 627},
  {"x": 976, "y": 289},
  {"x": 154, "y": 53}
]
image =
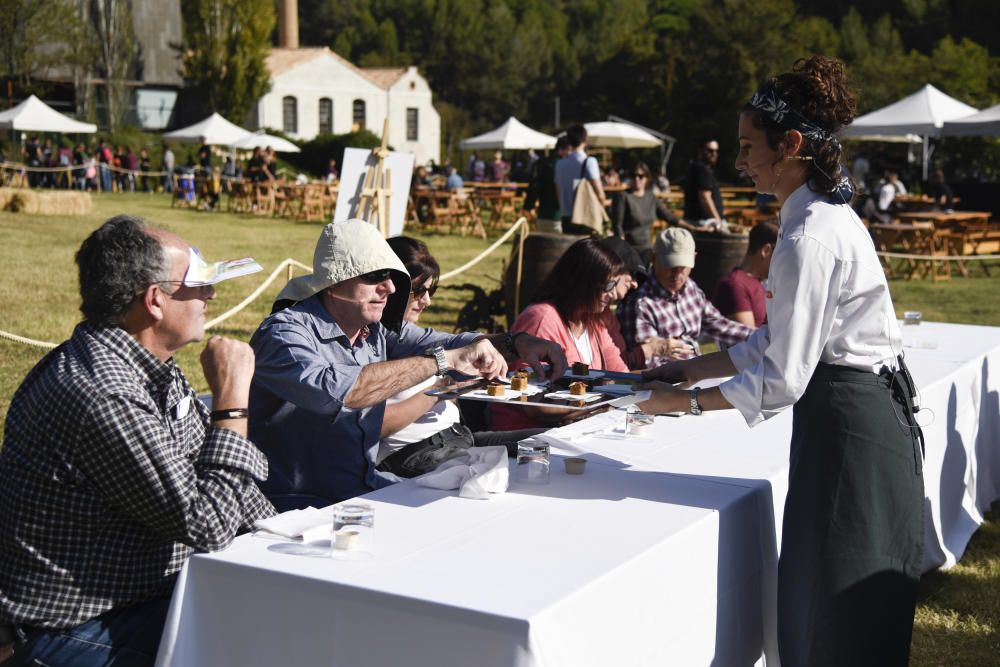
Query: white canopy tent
[
  {"x": 986, "y": 122},
  {"x": 263, "y": 140},
  {"x": 214, "y": 131},
  {"x": 34, "y": 115},
  {"x": 610, "y": 134},
  {"x": 923, "y": 113},
  {"x": 512, "y": 135}
]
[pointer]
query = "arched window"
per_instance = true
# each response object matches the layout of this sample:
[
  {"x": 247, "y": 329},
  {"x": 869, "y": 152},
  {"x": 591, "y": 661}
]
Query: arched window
[
  {"x": 325, "y": 115},
  {"x": 289, "y": 115},
  {"x": 358, "y": 116}
]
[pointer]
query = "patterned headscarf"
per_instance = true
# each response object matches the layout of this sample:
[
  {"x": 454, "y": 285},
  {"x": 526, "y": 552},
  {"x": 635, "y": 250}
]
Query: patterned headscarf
[{"x": 771, "y": 104}]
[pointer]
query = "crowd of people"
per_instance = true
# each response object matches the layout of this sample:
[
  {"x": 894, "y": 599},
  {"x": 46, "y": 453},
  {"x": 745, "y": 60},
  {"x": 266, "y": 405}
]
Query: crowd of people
[
  {"x": 99, "y": 166},
  {"x": 113, "y": 471}
]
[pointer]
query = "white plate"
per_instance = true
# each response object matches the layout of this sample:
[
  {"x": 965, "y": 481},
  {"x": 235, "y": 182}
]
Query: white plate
[{"x": 567, "y": 396}]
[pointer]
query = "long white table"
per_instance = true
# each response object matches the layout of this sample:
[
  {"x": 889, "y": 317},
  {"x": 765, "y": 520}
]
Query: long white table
[{"x": 664, "y": 552}]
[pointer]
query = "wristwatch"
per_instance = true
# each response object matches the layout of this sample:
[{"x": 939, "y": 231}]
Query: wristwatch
[
  {"x": 695, "y": 406},
  {"x": 437, "y": 354}
]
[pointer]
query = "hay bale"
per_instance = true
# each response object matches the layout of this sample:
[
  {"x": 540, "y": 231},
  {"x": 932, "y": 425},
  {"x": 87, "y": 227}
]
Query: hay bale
[{"x": 45, "y": 202}]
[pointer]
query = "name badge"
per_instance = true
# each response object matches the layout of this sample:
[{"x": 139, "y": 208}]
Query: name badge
[{"x": 183, "y": 407}]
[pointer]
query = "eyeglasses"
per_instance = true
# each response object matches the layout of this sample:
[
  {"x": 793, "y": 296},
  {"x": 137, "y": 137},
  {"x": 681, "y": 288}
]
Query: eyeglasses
[
  {"x": 375, "y": 277},
  {"x": 611, "y": 285},
  {"x": 711, "y": 150},
  {"x": 421, "y": 290},
  {"x": 640, "y": 176}
]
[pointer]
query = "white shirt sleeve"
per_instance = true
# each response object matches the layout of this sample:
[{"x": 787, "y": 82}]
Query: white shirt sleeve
[{"x": 805, "y": 283}]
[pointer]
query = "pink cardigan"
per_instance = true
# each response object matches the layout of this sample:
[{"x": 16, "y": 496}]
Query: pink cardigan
[{"x": 543, "y": 320}]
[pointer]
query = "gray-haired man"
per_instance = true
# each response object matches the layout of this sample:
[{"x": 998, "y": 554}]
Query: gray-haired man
[{"x": 112, "y": 472}]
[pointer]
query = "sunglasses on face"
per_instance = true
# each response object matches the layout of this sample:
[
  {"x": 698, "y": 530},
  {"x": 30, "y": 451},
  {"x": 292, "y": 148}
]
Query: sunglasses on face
[
  {"x": 640, "y": 176},
  {"x": 611, "y": 285},
  {"x": 375, "y": 277},
  {"x": 419, "y": 290}
]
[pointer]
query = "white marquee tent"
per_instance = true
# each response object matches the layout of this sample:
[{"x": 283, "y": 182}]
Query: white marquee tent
[
  {"x": 214, "y": 131},
  {"x": 262, "y": 140},
  {"x": 923, "y": 113},
  {"x": 609, "y": 134},
  {"x": 512, "y": 135},
  {"x": 986, "y": 122},
  {"x": 34, "y": 115}
]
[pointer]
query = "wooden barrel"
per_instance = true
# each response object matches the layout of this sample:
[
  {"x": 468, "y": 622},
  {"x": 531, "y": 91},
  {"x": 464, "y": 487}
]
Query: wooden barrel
[
  {"x": 541, "y": 252},
  {"x": 718, "y": 254}
]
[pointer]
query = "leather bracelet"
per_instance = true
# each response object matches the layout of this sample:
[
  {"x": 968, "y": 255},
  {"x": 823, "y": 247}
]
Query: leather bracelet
[{"x": 234, "y": 413}]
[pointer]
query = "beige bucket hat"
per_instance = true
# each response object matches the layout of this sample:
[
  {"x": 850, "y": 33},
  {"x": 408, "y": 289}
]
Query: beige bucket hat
[
  {"x": 347, "y": 250},
  {"x": 675, "y": 247}
]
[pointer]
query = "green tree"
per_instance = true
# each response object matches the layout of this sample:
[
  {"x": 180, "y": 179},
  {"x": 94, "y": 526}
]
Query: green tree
[
  {"x": 224, "y": 52},
  {"x": 32, "y": 38},
  {"x": 116, "y": 55}
]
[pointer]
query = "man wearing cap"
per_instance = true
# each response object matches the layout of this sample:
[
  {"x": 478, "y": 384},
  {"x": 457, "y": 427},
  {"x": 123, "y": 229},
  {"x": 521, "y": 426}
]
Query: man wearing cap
[
  {"x": 331, "y": 354},
  {"x": 672, "y": 306},
  {"x": 112, "y": 471}
]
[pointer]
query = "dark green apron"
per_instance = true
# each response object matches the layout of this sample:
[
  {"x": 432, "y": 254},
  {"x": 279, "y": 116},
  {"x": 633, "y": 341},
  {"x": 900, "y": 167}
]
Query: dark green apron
[{"x": 852, "y": 536}]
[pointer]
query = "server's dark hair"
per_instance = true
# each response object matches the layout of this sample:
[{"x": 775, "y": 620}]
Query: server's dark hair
[
  {"x": 817, "y": 88},
  {"x": 117, "y": 261}
]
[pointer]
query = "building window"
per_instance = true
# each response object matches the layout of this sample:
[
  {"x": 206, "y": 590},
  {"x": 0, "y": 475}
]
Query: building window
[
  {"x": 325, "y": 115},
  {"x": 289, "y": 115},
  {"x": 411, "y": 124},
  {"x": 359, "y": 116}
]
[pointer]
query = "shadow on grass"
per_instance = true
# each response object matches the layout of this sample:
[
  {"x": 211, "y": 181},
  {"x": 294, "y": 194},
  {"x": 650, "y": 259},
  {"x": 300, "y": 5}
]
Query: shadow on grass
[{"x": 958, "y": 611}]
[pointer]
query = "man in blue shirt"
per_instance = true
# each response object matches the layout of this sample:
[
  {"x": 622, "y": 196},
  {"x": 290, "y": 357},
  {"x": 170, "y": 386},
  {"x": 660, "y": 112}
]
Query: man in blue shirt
[
  {"x": 326, "y": 364},
  {"x": 571, "y": 171}
]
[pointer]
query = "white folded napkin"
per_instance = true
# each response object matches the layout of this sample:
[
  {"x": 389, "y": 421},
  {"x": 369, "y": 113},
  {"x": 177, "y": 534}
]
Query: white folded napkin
[
  {"x": 305, "y": 525},
  {"x": 479, "y": 472}
]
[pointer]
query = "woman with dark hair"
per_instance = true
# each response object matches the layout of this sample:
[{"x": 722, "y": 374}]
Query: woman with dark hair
[
  {"x": 635, "y": 211},
  {"x": 419, "y": 431},
  {"x": 852, "y": 535},
  {"x": 569, "y": 310}
]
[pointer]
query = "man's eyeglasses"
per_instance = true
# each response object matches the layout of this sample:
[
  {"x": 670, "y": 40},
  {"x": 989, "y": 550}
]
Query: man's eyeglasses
[
  {"x": 375, "y": 277},
  {"x": 636, "y": 176},
  {"x": 420, "y": 290},
  {"x": 711, "y": 150}
]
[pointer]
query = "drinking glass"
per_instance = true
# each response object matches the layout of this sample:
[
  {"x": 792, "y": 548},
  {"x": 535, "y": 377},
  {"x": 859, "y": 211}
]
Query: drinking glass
[
  {"x": 532, "y": 463},
  {"x": 353, "y": 528}
]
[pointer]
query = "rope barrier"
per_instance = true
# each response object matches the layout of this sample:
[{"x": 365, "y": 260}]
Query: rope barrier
[
  {"x": 499, "y": 242},
  {"x": 937, "y": 258},
  {"x": 520, "y": 224},
  {"x": 257, "y": 292}
]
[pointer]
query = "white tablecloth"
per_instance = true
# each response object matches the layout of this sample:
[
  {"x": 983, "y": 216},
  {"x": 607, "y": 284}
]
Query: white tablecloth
[{"x": 664, "y": 552}]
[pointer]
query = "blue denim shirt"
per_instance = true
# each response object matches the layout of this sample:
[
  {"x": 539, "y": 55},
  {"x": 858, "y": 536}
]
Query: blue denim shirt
[{"x": 305, "y": 367}]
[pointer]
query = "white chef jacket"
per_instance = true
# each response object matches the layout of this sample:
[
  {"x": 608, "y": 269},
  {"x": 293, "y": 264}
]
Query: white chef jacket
[{"x": 827, "y": 301}]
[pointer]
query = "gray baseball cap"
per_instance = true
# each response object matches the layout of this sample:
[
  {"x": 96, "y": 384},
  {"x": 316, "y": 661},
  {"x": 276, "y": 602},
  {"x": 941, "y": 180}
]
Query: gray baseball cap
[{"x": 675, "y": 247}]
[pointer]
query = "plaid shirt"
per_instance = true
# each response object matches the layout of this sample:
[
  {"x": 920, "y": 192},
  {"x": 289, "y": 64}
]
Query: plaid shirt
[
  {"x": 653, "y": 311},
  {"x": 110, "y": 476}
]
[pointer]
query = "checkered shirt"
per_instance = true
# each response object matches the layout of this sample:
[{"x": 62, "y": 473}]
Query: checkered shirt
[
  {"x": 653, "y": 311},
  {"x": 110, "y": 476}
]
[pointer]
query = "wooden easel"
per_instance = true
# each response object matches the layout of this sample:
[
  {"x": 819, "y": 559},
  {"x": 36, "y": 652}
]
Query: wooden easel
[{"x": 374, "y": 199}]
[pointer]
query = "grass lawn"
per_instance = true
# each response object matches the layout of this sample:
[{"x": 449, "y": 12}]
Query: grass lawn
[{"x": 958, "y": 619}]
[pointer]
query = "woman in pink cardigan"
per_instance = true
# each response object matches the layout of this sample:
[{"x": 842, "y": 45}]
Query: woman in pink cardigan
[{"x": 569, "y": 309}]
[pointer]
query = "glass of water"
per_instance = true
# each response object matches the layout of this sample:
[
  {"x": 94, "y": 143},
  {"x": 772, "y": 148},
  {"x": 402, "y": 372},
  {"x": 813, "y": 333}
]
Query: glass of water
[
  {"x": 532, "y": 463},
  {"x": 353, "y": 529}
]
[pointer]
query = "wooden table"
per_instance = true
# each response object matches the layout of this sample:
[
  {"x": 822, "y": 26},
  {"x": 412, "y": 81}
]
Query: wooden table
[{"x": 914, "y": 238}]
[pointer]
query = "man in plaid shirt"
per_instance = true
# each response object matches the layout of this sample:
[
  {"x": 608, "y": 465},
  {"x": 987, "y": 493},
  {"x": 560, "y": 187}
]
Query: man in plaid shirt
[
  {"x": 670, "y": 305},
  {"x": 112, "y": 471}
]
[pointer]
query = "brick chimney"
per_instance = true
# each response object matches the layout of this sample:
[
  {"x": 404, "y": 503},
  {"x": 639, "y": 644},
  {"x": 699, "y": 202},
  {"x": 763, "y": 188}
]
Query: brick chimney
[{"x": 288, "y": 24}]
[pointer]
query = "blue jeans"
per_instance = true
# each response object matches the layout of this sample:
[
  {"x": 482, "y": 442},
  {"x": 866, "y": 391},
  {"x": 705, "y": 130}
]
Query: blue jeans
[{"x": 125, "y": 637}]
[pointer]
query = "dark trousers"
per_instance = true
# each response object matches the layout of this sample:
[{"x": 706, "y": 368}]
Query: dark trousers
[
  {"x": 852, "y": 537},
  {"x": 124, "y": 637}
]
